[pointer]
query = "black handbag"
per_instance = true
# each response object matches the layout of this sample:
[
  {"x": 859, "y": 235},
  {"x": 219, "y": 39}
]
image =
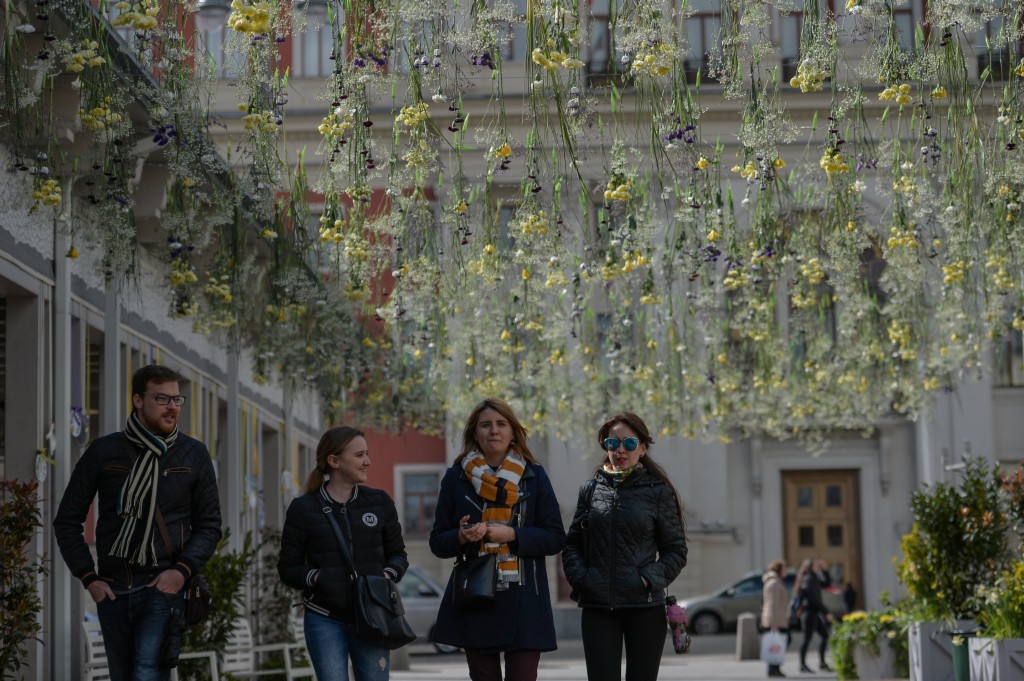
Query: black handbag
[
  {"x": 197, "y": 591},
  {"x": 474, "y": 581},
  {"x": 380, "y": 615}
]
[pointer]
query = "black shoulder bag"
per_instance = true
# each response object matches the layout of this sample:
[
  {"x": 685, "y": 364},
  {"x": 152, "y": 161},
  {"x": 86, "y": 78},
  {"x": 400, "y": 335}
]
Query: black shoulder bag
[
  {"x": 380, "y": 615},
  {"x": 197, "y": 591}
]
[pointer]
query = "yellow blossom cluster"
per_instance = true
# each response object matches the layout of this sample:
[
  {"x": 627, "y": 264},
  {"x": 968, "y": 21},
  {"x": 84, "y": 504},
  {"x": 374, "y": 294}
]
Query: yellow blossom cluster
[
  {"x": 1001, "y": 278},
  {"x": 558, "y": 357},
  {"x": 413, "y": 115},
  {"x": 504, "y": 151},
  {"x": 735, "y": 278},
  {"x": 282, "y": 312},
  {"x": 630, "y": 262},
  {"x": 85, "y": 56},
  {"x": 99, "y": 117},
  {"x": 902, "y": 237},
  {"x": 618, "y": 190},
  {"x": 899, "y": 93},
  {"x": 356, "y": 247},
  {"x": 143, "y": 18},
  {"x": 336, "y": 124},
  {"x": 358, "y": 192},
  {"x": 260, "y": 120},
  {"x": 182, "y": 274},
  {"x": 812, "y": 271},
  {"x": 331, "y": 233},
  {"x": 220, "y": 288},
  {"x": 657, "y": 61},
  {"x": 254, "y": 19},
  {"x": 556, "y": 279},
  {"x": 554, "y": 59},
  {"x": 703, "y": 163},
  {"x": 1019, "y": 71},
  {"x": 650, "y": 299},
  {"x": 955, "y": 272},
  {"x": 486, "y": 265},
  {"x": 803, "y": 300},
  {"x": 939, "y": 92},
  {"x": 904, "y": 185},
  {"x": 809, "y": 76},
  {"x": 900, "y": 335},
  {"x": 1018, "y": 322},
  {"x": 418, "y": 155},
  {"x": 47, "y": 194},
  {"x": 747, "y": 171},
  {"x": 833, "y": 162},
  {"x": 534, "y": 224}
]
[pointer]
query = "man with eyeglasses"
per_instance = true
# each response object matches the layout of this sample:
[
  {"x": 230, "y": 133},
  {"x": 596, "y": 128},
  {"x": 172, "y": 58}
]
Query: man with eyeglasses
[{"x": 156, "y": 487}]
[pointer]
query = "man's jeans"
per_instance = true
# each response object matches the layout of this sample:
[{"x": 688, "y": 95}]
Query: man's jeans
[
  {"x": 133, "y": 628},
  {"x": 331, "y": 643}
]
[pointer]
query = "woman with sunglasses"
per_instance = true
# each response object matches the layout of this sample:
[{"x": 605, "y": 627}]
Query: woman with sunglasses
[{"x": 625, "y": 545}]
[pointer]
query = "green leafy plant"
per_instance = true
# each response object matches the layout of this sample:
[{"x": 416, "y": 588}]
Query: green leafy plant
[
  {"x": 1000, "y": 607},
  {"x": 869, "y": 631},
  {"x": 274, "y": 601},
  {"x": 959, "y": 542},
  {"x": 20, "y": 571},
  {"x": 226, "y": 572}
]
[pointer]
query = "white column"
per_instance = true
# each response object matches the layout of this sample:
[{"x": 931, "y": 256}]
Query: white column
[
  {"x": 232, "y": 515},
  {"x": 63, "y": 588},
  {"x": 110, "y": 394}
]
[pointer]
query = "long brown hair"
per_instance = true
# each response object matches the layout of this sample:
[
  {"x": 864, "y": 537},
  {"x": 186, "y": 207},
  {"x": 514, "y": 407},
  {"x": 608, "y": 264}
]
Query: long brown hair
[
  {"x": 469, "y": 443},
  {"x": 333, "y": 441},
  {"x": 805, "y": 567},
  {"x": 637, "y": 425}
]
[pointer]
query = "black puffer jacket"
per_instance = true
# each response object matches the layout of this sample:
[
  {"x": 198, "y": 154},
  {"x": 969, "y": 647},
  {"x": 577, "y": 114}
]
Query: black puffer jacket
[
  {"x": 632, "y": 529},
  {"x": 311, "y": 559},
  {"x": 186, "y": 495}
]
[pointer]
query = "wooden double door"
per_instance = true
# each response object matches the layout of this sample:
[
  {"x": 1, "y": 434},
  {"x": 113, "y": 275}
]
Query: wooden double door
[{"x": 821, "y": 519}]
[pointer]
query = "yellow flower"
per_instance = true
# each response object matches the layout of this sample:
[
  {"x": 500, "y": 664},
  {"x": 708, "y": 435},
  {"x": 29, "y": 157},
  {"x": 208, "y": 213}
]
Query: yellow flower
[
  {"x": 72, "y": 253},
  {"x": 504, "y": 151},
  {"x": 939, "y": 92},
  {"x": 703, "y": 163},
  {"x": 526, "y": 274}
]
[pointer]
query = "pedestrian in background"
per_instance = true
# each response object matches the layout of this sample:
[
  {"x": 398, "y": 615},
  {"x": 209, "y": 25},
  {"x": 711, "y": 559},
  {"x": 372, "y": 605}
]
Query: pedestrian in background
[
  {"x": 312, "y": 560},
  {"x": 775, "y": 606},
  {"x": 625, "y": 545},
  {"x": 816, "y": 616},
  {"x": 496, "y": 498}
]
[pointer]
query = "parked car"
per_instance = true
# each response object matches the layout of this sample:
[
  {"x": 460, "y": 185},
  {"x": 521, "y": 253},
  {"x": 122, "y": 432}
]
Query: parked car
[
  {"x": 421, "y": 596},
  {"x": 720, "y": 610}
]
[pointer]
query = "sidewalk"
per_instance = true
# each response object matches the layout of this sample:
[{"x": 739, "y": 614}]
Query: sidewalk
[{"x": 566, "y": 664}]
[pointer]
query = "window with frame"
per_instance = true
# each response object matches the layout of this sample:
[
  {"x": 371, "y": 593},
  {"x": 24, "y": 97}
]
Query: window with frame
[
  {"x": 418, "y": 487},
  {"x": 603, "y": 64},
  {"x": 702, "y": 31},
  {"x": 213, "y": 50},
  {"x": 1010, "y": 361},
  {"x": 513, "y": 34},
  {"x": 313, "y": 48},
  {"x": 994, "y": 52}
]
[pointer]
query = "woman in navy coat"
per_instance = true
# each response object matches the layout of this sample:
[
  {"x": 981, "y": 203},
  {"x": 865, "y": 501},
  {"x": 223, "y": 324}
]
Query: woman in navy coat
[{"x": 496, "y": 499}]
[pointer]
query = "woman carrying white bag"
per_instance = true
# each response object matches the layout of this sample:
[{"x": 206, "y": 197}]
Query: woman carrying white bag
[{"x": 775, "y": 619}]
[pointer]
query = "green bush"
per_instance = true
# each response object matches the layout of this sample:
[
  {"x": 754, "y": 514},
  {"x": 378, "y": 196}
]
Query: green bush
[
  {"x": 959, "y": 541},
  {"x": 20, "y": 572},
  {"x": 1001, "y": 606}
]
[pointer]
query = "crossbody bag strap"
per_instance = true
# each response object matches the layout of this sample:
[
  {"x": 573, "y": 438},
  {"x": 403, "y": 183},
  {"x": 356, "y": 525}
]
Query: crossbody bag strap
[{"x": 345, "y": 553}]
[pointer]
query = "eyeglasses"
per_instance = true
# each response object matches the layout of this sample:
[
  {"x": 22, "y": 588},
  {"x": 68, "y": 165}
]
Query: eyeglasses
[
  {"x": 163, "y": 399},
  {"x": 612, "y": 443}
]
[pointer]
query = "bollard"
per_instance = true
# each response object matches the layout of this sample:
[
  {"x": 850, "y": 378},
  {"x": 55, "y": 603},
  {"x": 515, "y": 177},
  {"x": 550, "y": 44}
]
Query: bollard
[{"x": 748, "y": 643}]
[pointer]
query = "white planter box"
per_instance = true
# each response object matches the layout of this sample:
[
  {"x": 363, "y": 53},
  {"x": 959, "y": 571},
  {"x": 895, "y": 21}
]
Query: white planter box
[
  {"x": 997, "y": 659},
  {"x": 931, "y": 652},
  {"x": 871, "y": 667}
]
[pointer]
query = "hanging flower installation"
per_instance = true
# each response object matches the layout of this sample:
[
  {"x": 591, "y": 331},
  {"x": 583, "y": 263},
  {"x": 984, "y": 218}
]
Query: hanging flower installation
[{"x": 577, "y": 229}]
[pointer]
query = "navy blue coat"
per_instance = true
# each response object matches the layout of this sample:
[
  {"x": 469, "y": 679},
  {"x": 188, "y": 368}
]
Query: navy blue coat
[{"x": 520, "y": 618}]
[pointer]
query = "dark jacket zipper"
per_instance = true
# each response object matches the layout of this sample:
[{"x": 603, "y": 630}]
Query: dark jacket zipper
[{"x": 615, "y": 540}]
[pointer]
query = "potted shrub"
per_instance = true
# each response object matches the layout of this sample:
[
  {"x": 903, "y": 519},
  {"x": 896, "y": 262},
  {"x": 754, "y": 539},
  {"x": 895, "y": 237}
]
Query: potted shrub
[
  {"x": 871, "y": 645},
  {"x": 958, "y": 543},
  {"x": 1000, "y": 616}
]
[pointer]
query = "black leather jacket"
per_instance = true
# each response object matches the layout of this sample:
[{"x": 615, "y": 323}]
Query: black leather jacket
[
  {"x": 186, "y": 495},
  {"x": 631, "y": 529},
  {"x": 311, "y": 559}
]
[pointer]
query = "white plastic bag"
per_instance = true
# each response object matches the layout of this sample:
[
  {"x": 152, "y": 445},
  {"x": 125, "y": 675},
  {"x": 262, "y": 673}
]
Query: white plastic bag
[{"x": 773, "y": 647}]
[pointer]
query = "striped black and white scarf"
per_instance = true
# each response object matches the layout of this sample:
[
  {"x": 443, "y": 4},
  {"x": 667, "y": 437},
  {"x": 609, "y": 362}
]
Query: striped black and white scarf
[{"x": 137, "y": 502}]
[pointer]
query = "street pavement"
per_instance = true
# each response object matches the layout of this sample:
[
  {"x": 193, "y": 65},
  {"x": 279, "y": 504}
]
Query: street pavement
[{"x": 712, "y": 658}]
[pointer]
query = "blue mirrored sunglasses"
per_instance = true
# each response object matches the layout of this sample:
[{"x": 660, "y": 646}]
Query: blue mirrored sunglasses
[{"x": 612, "y": 443}]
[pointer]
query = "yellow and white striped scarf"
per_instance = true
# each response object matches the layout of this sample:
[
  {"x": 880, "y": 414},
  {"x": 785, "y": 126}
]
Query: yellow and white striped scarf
[{"x": 500, "y": 492}]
